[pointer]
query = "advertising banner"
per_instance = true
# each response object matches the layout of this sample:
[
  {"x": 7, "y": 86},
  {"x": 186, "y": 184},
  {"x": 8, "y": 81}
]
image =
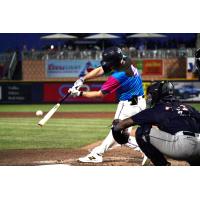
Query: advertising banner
[
  {"x": 69, "y": 68},
  {"x": 55, "y": 91},
  {"x": 52, "y": 92},
  {"x": 16, "y": 93},
  {"x": 187, "y": 91},
  {"x": 152, "y": 67},
  {"x": 139, "y": 65}
]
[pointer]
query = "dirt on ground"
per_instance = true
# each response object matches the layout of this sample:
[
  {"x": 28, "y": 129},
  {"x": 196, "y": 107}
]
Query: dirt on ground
[{"x": 118, "y": 156}]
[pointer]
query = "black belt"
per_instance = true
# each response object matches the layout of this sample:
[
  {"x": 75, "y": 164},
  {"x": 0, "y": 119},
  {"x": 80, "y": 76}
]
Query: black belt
[
  {"x": 189, "y": 133},
  {"x": 134, "y": 100}
]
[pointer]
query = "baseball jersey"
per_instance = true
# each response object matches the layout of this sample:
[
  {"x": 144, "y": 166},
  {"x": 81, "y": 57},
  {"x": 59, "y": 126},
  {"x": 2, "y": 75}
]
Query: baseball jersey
[
  {"x": 170, "y": 117},
  {"x": 125, "y": 85}
]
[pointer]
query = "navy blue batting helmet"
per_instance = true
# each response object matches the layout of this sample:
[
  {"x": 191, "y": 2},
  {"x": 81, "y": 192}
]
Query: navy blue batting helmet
[{"x": 111, "y": 58}]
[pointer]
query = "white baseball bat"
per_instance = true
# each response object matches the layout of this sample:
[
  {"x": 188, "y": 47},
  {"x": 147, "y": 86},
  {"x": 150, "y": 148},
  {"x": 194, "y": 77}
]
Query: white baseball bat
[
  {"x": 48, "y": 115},
  {"x": 52, "y": 111}
]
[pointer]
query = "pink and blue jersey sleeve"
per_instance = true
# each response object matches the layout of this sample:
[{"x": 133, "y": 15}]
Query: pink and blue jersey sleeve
[{"x": 111, "y": 85}]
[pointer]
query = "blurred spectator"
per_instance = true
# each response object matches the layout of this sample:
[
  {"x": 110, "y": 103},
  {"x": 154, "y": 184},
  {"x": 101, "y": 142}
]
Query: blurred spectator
[
  {"x": 94, "y": 52},
  {"x": 132, "y": 52},
  {"x": 141, "y": 50},
  {"x": 25, "y": 51},
  {"x": 182, "y": 51},
  {"x": 88, "y": 67}
]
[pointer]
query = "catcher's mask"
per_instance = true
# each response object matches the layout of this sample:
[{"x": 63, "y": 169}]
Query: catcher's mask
[
  {"x": 162, "y": 90},
  {"x": 197, "y": 59},
  {"x": 111, "y": 58}
]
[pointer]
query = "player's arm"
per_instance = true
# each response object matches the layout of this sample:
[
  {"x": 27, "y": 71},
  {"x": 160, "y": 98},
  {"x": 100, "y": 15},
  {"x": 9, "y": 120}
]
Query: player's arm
[
  {"x": 119, "y": 125},
  {"x": 97, "y": 72},
  {"x": 92, "y": 94},
  {"x": 93, "y": 74},
  {"x": 108, "y": 87},
  {"x": 148, "y": 116}
]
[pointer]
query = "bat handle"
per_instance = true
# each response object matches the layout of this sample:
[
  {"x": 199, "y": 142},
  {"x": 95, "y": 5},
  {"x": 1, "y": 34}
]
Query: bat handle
[{"x": 62, "y": 100}]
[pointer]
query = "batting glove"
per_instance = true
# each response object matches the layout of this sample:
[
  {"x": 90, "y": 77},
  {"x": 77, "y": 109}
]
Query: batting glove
[
  {"x": 74, "y": 92},
  {"x": 79, "y": 83}
]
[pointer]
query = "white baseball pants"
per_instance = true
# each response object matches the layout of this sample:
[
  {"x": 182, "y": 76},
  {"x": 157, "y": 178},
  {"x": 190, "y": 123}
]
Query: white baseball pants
[{"x": 124, "y": 110}]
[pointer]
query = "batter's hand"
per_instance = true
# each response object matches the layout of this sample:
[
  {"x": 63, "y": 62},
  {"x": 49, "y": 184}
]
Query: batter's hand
[
  {"x": 79, "y": 83},
  {"x": 74, "y": 92}
]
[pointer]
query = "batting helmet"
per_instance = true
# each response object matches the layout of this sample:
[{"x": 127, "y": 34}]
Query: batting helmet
[
  {"x": 159, "y": 91},
  {"x": 111, "y": 58},
  {"x": 197, "y": 59}
]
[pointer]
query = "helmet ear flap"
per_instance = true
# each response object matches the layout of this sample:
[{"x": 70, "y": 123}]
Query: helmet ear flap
[
  {"x": 106, "y": 66},
  {"x": 167, "y": 88}
]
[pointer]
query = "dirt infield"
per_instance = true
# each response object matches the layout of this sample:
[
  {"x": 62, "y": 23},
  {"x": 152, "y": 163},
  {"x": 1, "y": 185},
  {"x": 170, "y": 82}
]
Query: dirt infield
[
  {"x": 118, "y": 156},
  {"x": 61, "y": 114}
]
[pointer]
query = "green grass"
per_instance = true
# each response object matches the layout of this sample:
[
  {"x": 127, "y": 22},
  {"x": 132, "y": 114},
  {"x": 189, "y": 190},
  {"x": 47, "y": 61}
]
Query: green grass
[
  {"x": 197, "y": 106},
  {"x": 20, "y": 133},
  {"x": 23, "y": 133},
  {"x": 63, "y": 108}
]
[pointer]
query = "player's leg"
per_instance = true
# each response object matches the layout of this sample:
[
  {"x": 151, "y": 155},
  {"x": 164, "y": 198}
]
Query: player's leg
[
  {"x": 124, "y": 110},
  {"x": 143, "y": 140},
  {"x": 97, "y": 153},
  {"x": 195, "y": 160},
  {"x": 178, "y": 146},
  {"x": 128, "y": 111}
]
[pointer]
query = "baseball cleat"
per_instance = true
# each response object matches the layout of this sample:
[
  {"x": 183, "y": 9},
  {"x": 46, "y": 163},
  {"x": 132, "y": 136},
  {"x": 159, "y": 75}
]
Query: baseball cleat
[{"x": 91, "y": 158}]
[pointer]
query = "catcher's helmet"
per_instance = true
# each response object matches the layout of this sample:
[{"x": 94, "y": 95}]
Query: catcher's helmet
[
  {"x": 159, "y": 91},
  {"x": 111, "y": 58},
  {"x": 197, "y": 59}
]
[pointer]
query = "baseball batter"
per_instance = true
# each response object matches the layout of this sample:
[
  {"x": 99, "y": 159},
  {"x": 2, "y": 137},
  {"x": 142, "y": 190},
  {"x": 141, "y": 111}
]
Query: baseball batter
[
  {"x": 125, "y": 80},
  {"x": 168, "y": 128}
]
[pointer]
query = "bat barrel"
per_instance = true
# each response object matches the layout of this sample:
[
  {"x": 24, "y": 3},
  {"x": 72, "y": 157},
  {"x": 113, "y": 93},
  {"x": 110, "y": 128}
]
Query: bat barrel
[
  {"x": 52, "y": 111},
  {"x": 48, "y": 115}
]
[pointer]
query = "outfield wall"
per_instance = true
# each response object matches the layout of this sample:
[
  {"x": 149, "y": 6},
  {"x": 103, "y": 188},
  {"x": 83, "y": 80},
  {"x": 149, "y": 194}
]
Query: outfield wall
[
  {"x": 51, "y": 92},
  {"x": 67, "y": 70}
]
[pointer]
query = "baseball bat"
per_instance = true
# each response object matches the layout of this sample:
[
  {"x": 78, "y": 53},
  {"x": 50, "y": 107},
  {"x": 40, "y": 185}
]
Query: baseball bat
[{"x": 52, "y": 111}]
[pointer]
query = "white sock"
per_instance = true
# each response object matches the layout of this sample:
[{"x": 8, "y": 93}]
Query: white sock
[{"x": 105, "y": 145}]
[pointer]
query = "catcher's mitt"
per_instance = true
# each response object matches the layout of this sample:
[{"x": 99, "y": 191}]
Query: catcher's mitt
[{"x": 120, "y": 136}]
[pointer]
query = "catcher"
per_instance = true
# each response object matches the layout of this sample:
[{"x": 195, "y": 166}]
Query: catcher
[
  {"x": 125, "y": 80},
  {"x": 168, "y": 128}
]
